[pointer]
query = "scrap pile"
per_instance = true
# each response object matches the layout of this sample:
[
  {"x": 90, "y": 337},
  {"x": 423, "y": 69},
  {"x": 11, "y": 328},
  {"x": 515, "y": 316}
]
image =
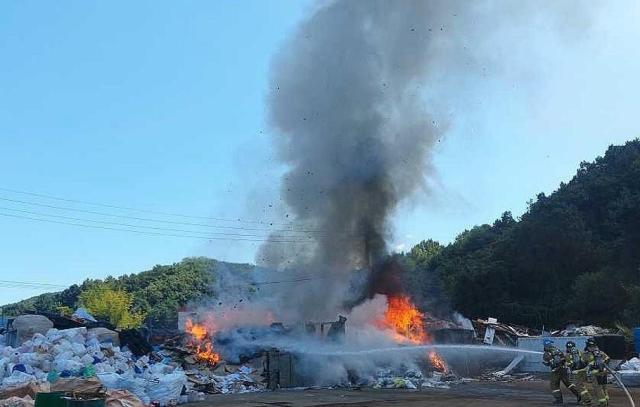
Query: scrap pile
[
  {"x": 413, "y": 379},
  {"x": 87, "y": 353},
  {"x": 588, "y": 330},
  {"x": 630, "y": 372},
  {"x": 42, "y": 355},
  {"x": 207, "y": 374},
  {"x": 502, "y": 334}
]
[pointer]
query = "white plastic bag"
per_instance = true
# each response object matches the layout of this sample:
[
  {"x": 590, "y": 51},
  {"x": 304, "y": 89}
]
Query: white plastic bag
[
  {"x": 115, "y": 381},
  {"x": 16, "y": 378},
  {"x": 164, "y": 388}
]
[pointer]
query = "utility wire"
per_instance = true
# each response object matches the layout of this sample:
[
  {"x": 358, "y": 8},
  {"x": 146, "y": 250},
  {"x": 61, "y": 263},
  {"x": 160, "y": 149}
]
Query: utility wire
[
  {"x": 142, "y": 226},
  {"x": 287, "y": 281},
  {"x": 15, "y": 191},
  {"x": 25, "y": 284},
  {"x": 64, "y": 208},
  {"x": 148, "y": 233}
]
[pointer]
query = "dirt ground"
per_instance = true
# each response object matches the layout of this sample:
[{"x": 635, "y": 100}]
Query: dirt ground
[{"x": 477, "y": 394}]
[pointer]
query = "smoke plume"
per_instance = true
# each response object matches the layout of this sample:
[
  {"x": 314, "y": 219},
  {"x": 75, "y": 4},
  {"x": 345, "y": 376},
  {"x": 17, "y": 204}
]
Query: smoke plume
[
  {"x": 354, "y": 107},
  {"x": 351, "y": 126}
]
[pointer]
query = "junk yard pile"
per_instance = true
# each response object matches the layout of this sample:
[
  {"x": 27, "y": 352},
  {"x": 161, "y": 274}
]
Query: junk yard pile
[{"x": 401, "y": 348}]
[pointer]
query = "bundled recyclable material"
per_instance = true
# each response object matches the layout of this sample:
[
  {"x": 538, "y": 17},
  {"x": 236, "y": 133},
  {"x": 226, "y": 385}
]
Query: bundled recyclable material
[{"x": 79, "y": 354}]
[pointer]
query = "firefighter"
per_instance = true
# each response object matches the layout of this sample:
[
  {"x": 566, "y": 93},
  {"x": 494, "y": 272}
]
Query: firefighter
[
  {"x": 555, "y": 359},
  {"x": 578, "y": 372},
  {"x": 596, "y": 361}
]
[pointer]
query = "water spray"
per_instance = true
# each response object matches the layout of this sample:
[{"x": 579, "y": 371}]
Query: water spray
[
  {"x": 619, "y": 381},
  {"x": 422, "y": 347}
]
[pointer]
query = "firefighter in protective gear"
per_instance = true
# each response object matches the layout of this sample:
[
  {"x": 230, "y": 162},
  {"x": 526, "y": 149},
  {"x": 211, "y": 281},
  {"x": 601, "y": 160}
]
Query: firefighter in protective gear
[
  {"x": 555, "y": 359},
  {"x": 596, "y": 361},
  {"x": 578, "y": 372}
]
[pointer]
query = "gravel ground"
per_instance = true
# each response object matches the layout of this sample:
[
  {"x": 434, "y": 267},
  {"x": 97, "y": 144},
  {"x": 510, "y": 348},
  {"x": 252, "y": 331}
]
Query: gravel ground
[{"x": 477, "y": 394}]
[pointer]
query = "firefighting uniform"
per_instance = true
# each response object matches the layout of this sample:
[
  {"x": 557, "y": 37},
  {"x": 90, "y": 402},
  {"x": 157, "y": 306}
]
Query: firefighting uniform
[
  {"x": 596, "y": 360},
  {"x": 578, "y": 370},
  {"x": 555, "y": 359}
]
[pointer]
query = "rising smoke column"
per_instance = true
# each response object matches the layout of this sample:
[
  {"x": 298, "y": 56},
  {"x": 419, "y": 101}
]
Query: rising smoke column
[
  {"x": 351, "y": 122},
  {"x": 345, "y": 105},
  {"x": 351, "y": 126}
]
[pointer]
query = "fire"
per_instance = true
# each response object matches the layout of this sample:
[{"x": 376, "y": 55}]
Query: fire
[
  {"x": 407, "y": 323},
  {"x": 197, "y": 331},
  {"x": 405, "y": 320},
  {"x": 437, "y": 362},
  {"x": 201, "y": 342},
  {"x": 206, "y": 354}
]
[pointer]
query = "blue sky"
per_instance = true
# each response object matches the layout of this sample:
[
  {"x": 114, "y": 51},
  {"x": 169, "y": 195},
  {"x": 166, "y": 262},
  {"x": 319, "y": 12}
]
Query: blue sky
[{"x": 159, "y": 105}]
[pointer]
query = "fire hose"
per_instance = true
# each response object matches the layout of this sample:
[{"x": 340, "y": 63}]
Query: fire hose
[{"x": 619, "y": 381}]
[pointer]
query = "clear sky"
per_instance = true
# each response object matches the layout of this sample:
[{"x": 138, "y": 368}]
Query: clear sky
[{"x": 160, "y": 106}]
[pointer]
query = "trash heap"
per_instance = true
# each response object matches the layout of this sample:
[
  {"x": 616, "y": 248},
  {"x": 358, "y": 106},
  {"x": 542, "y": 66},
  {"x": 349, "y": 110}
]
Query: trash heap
[
  {"x": 79, "y": 352},
  {"x": 630, "y": 372},
  {"x": 413, "y": 379},
  {"x": 220, "y": 377}
]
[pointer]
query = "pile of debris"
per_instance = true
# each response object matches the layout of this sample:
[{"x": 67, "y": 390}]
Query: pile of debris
[
  {"x": 587, "y": 330},
  {"x": 44, "y": 355},
  {"x": 413, "y": 379},
  {"x": 630, "y": 372},
  {"x": 214, "y": 376},
  {"x": 86, "y": 353},
  {"x": 505, "y": 335},
  {"x": 499, "y": 376}
]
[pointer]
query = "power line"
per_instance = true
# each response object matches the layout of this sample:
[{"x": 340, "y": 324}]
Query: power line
[
  {"x": 64, "y": 208},
  {"x": 139, "y": 209},
  {"x": 288, "y": 281},
  {"x": 30, "y": 284},
  {"x": 47, "y": 286},
  {"x": 149, "y": 233},
  {"x": 141, "y": 226}
]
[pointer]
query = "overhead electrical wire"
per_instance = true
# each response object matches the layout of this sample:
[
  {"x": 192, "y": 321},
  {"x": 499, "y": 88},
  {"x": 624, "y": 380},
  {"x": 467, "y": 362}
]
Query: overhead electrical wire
[
  {"x": 153, "y": 220},
  {"x": 16, "y": 191},
  {"x": 206, "y": 234},
  {"x": 290, "y": 234},
  {"x": 25, "y": 284},
  {"x": 149, "y": 233}
]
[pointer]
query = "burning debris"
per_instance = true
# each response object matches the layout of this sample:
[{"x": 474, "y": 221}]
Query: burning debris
[
  {"x": 403, "y": 318},
  {"x": 200, "y": 342}
]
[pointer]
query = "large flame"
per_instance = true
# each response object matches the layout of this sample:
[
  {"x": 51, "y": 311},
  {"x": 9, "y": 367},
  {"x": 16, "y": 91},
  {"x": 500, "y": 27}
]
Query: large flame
[
  {"x": 201, "y": 342},
  {"x": 405, "y": 320}
]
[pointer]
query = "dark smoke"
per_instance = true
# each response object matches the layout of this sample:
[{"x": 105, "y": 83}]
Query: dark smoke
[
  {"x": 348, "y": 107},
  {"x": 345, "y": 102}
]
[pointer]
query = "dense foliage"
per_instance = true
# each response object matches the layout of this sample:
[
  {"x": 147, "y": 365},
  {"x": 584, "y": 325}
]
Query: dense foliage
[
  {"x": 574, "y": 256},
  {"x": 158, "y": 293},
  {"x": 112, "y": 305}
]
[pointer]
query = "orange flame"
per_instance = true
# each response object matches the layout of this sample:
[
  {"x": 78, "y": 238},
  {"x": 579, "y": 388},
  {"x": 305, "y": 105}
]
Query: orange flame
[
  {"x": 437, "y": 362},
  {"x": 407, "y": 323},
  {"x": 201, "y": 341},
  {"x": 405, "y": 320},
  {"x": 197, "y": 331}
]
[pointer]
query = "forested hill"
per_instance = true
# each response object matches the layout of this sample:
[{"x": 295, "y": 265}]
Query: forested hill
[
  {"x": 573, "y": 256},
  {"x": 157, "y": 293}
]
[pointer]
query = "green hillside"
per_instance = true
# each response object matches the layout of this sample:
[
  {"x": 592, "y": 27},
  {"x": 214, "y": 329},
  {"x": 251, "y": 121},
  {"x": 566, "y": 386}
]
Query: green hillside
[
  {"x": 573, "y": 256},
  {"x": 158, "y": 292}
]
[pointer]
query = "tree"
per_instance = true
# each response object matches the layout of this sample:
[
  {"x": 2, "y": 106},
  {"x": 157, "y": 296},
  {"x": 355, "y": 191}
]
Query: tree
[
  {"x": 424, "y": 251},
  {"x": 114, "y": 305}
]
